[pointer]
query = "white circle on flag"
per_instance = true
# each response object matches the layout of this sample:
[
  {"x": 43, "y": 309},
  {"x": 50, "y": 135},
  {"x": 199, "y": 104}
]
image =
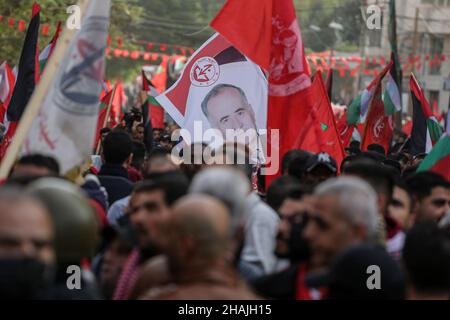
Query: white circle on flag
[{"x": 205, "y": 72}]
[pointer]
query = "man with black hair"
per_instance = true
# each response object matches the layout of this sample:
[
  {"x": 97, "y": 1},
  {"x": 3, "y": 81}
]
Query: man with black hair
[
  {"x": 280, "y": 189},
  {"x": 431, "y": 194},
  {"x": 319, "y": 168},
  {"x": 290, "y": 245},
  {"x": 117, "y": 155},
  {"x": 36, "y": 165},
  {"x": 401, "y": 204},
  {"x": 149, "y": 207},
  {"x": 138, "y": 132},
  {"x": 294, "y": 162},
  {"x": 381, "y": 179},
  {"x": 426, "y": 258}
]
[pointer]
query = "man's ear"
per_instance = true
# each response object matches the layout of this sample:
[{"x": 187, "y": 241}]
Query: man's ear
[{"x": 128, "y": 161}]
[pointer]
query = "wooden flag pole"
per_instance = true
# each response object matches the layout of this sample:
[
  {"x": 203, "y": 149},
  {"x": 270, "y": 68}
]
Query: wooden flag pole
[
  {"x": 105, "y": 122},
  {"x": 38, "y": 97}
]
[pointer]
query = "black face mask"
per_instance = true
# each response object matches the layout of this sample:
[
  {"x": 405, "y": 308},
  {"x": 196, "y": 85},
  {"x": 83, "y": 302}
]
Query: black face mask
[
  {"x": 299, "y": 249},
  {"x": 24, "y": 278}
]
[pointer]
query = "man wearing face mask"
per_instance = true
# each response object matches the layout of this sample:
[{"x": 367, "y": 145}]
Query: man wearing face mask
[
  {"x": 290, "y": 245},
  {"x": 27, "y": 255}
]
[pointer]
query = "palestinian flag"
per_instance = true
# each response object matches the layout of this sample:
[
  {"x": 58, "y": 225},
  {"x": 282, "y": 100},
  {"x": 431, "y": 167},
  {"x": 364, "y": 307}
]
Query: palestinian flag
[
  {"x": 26, "y": 79},
  {"x": 357, "y": 110},
  {"x": 155, "y": 111},
  {"x": 392, "y": 102},
  {"x": 426, "y": 130},
  {"x": 102, "y": 113},
  {"x": 438, "y": 160},
  {"x": 48, "y": 50}
]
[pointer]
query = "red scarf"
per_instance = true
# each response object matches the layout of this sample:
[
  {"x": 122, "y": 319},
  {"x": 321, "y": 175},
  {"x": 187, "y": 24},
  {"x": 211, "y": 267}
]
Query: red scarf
[{"x": 303, "y": 291}]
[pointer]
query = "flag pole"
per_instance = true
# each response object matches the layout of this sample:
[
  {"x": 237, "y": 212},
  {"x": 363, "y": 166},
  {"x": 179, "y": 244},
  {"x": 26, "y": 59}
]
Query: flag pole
[
  {"x": 38, "y": 97},
  {"x": 105, "y": 122}
]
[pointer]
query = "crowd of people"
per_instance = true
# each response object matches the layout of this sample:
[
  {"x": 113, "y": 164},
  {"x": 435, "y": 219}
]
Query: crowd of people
[{"x": 139, "y": 224}]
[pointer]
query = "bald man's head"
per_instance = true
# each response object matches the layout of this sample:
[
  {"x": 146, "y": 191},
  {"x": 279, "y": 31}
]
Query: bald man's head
[{"x": 198, "y": 230}]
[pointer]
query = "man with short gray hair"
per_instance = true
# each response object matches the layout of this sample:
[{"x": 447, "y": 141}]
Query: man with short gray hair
[{"x": 344, "y": 214}]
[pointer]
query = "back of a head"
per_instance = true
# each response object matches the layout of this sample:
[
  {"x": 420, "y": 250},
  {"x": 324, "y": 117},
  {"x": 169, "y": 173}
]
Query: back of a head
[
  {"x": 46, "y": 164},
  {"x": 426, "y": 257},
  {"x": 300, "y": 157},
  {"x": 422, "y": 184},
  {"x": 226, "y": 184},
  {"x": 350, "y": 275},
  {"x": 205, "y": 220},
  {"x": 381, "y": 178},
  {"x": 282, "y": 188},
  {"x": 173, "y": 184},
  {"x": 117, "y": 147},
  {"x": 357, "y": 202},
  {"x": 297, "y": 165}
]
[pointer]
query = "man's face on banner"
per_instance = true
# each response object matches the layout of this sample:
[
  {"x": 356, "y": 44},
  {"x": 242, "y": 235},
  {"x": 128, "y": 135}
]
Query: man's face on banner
[{"x": 229, "y": 110}]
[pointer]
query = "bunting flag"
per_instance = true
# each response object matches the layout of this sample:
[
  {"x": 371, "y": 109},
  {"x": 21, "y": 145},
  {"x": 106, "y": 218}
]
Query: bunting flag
[
  {"x": 48, "y": 50},
  {"x": 319, "y": 132},
  {"x": 438, "y": 160},
  {"x": 66, "y": 123},
  {"x": 155, "y": 111},
  {"x": 270, "y": 36},
  {"x": 426, "y": 130},
  {"x": 7, "y": 81},
  {"x": 26, "y": 79}
]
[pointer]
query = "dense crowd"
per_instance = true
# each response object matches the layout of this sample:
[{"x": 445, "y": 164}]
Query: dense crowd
[{"x": 141, "y": 225}]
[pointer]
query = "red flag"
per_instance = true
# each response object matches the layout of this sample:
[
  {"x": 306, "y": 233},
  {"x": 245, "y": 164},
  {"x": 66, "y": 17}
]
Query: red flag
[
  {"x": 268, "y": 33},
  {"x": 118, "y": 105},
  {"x": 345, "y": 130},
  {"x": 378, "y": 128},
  {"x": 159, "y": 80},
  {"x": 155, "y": 112},
  {"x": 106, "y": 98},
  {"x": 319, "y": 132}
]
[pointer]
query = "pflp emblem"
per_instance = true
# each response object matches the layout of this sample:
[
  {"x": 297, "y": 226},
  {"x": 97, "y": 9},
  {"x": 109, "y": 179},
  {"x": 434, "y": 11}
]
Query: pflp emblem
[{"x": 205, "y": 72}]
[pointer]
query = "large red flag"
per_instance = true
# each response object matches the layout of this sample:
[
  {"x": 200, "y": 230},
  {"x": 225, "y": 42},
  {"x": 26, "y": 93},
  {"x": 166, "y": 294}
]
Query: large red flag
[
  {"x": 378, "y": 128},
  {"x": 319, "y": 132},
  {"x": 268, "y": 33}
]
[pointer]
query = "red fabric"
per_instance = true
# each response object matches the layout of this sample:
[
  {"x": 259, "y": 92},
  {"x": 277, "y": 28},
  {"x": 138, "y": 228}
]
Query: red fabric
[
  {"x": 156, "y": 113},
  {"x": 240, "y": 21},
  {"x": 378, "y": 128},
  {"x": 101, "y": 213},
  {"x": 134, "y": 175},
  {"x": 345, "y": 130},
  {"x": 312, "y": 136},
  {"x": 442, "y": 167},
  {"x": 160, "y": 82},
  {"x": 304, "y": 292},
  {"x": 407, "y": 128}
]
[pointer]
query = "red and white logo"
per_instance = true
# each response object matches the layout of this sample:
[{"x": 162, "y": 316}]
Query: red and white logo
[{"x": 205, "y": 72}]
